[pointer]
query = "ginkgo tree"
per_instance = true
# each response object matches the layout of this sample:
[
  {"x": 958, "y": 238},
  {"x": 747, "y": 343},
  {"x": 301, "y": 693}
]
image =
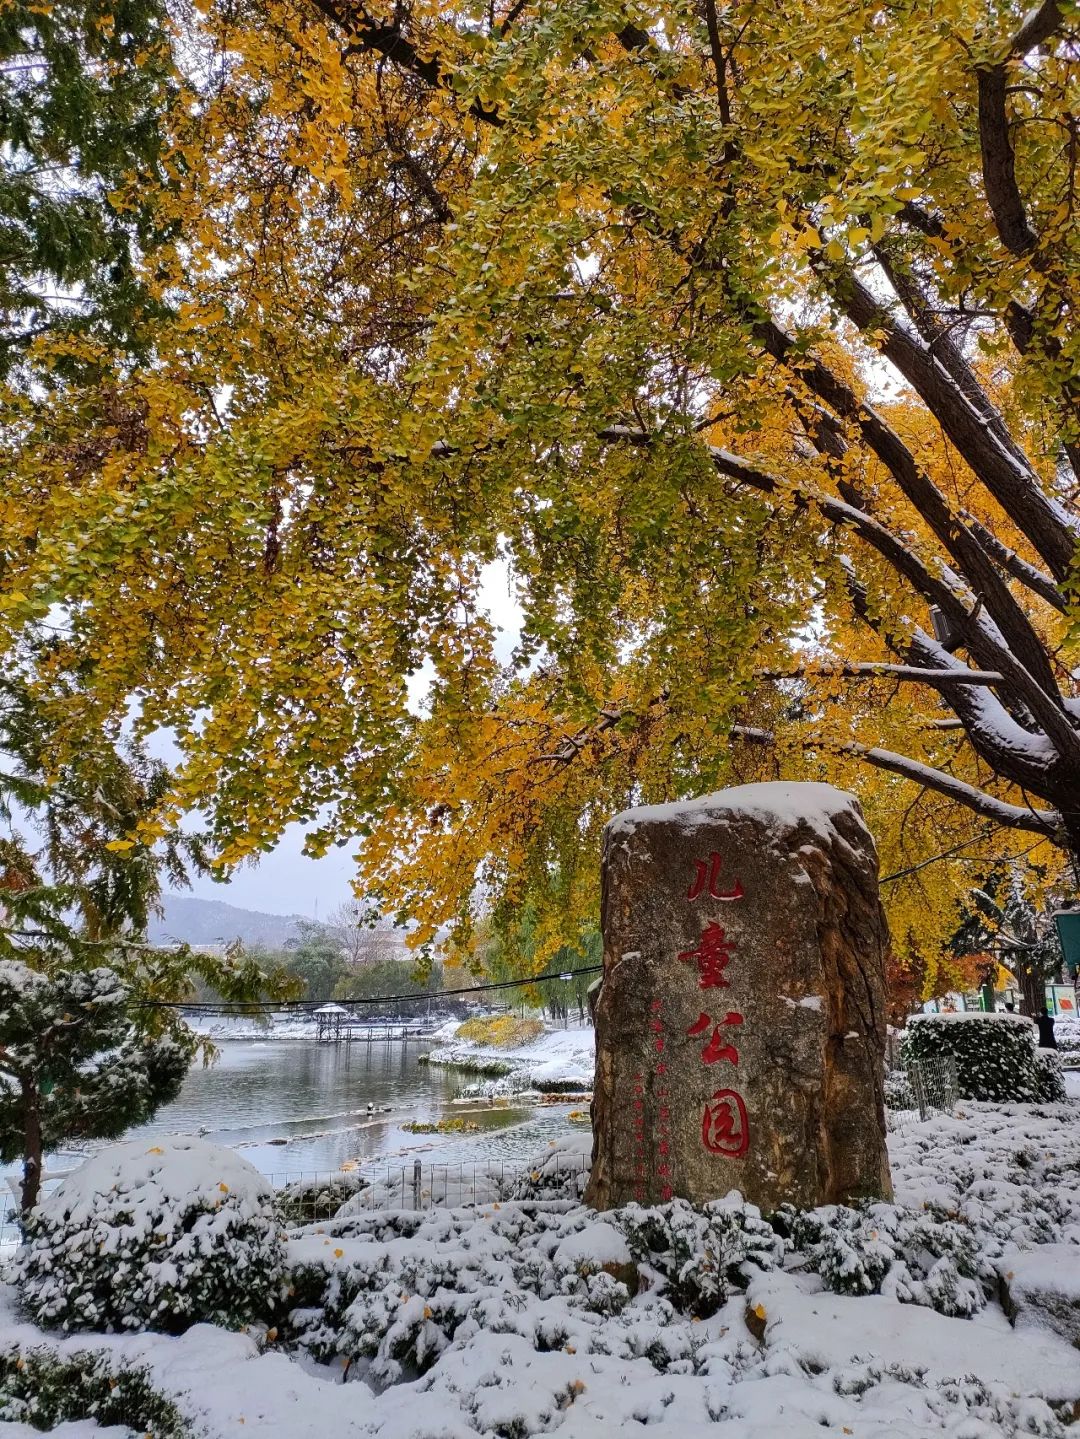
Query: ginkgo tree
[{"x": 743, "y": 336}]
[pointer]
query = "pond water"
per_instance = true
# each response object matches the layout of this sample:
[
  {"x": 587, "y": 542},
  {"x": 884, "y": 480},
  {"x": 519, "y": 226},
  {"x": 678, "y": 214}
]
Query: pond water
[{"x": 293, "y": 1107}]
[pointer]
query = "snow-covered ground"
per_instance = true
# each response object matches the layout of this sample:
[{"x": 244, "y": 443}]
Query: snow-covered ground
[
  {"x": 499, "y": 1321},
  {"x": 561, "y": 1057}
]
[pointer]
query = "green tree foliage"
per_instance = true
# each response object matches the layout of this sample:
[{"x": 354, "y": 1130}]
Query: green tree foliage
[
  {"x": 75, "y": 1062},
  {"x": 83, "y": 84},
  {"x": 318, "y": 961},
  {"x": 91, "y": 1037},
  {"x": 378, "y": 977}
]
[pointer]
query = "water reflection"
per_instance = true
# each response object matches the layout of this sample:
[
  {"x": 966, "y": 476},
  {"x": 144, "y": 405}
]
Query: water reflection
[{"x": 296, "y": 1106}]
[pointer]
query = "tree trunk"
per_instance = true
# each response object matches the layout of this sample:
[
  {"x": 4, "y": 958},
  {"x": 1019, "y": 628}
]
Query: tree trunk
[
  {"x": 1032, "y": 990},
  {"x": 32, "y": 1145}
]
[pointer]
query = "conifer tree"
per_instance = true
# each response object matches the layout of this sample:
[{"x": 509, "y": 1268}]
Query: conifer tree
[{"x": 83, "y": 85}]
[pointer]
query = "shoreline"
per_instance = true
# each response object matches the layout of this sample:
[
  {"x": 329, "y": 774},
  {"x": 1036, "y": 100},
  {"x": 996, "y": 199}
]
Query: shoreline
[{"x": 557, "y": 1062}]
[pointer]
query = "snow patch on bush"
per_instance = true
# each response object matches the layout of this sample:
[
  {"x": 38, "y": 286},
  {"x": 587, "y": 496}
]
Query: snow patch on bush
[
  {"x": 995, "y": 1055},
  {"x": 154, "y": 1236}
]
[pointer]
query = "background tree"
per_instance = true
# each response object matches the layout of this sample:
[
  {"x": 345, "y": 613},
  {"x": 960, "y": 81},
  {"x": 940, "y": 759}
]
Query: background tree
[
  {"x": 380, "y": 977},
  {"x": 702, "y": 322},
  {"x": 91, "y": 1035},
  {"x": 317, "y": 960},
  {"x": 83, "y": 87},
  {"x": 1023, "y": 938},
  {"x": 363, "y": 934}
]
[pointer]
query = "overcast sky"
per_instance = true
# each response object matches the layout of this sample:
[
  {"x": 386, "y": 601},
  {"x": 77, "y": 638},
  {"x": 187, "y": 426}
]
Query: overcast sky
[{"x": 286, "y": 882}]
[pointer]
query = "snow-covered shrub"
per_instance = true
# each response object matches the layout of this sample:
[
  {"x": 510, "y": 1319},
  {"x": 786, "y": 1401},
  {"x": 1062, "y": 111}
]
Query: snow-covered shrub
[
  {"x": 43, "y": 1389},
  {"x": 1067, "y": 1033},
  {"x": 702, "y": 1254},
  {"x": 994, "y": 1053},
  {"x": 886, "y": 1249},
  {"x": 1051, "y": 1080},
  {"x": 898, "y": 1092},
  {"x": 156, "y": 1236}
]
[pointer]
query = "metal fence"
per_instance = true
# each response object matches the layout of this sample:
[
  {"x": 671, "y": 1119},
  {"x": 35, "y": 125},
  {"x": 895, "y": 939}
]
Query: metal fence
[
  {"x": 309, "y": 1196},
  {"x": 932, "y": 1088}
]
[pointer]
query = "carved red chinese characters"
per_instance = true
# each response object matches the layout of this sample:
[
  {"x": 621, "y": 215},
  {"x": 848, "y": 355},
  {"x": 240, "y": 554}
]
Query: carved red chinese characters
[
  {"x": 724, "y": 1129},
  {"x": 711, "y": 957},
  {"x": 707, "y": 880},
  {"x": 740, "y": 1021}
]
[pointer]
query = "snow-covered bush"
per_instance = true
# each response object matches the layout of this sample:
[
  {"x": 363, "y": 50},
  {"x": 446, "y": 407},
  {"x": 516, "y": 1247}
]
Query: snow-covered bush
[
  {"x": 156, "y": 1236},
  {"x": 43, "y": 1389},
  {"x": 701, "y": 1254},
  {"x": 886, "y": 1249},
  {"x": 1051, "y": 1080},
  {"x": 994, "y": 1053},
  {"x": 898, "y": 1092}
]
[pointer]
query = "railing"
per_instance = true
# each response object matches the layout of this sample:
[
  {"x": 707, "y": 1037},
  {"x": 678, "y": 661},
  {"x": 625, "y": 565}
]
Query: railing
[
  {"x": 933, "y": 1089},
  {"x": 308, "y": 1196}
]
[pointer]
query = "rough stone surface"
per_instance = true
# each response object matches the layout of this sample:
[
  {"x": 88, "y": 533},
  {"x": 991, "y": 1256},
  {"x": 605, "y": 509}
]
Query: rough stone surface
[
  {"x": 1040, "y": 1289},
  {"x": 740, "y": 1025}
]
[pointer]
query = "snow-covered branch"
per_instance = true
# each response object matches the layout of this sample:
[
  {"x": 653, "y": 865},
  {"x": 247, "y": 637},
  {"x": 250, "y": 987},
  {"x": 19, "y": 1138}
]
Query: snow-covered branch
[
  {"x": 881, "y": 669},
  {"x": 1046, "y": 822}
]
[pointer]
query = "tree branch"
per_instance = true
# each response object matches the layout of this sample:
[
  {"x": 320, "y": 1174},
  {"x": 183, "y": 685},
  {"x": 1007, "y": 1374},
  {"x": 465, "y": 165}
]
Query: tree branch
[
  {"x": 882, "y": 669},
  {"x": 999, "y": 163},
  {"x": 1013, "y": 564},
  {"x": 1046, "y": 822},
  {"x": 367, "y": 34},
  {"x": 930, "y": 503},
  {"x": 1012, "y": 481}
]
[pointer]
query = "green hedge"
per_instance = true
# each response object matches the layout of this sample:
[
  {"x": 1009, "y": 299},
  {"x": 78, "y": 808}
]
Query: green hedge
[
  {"x": 41, "y": 1388},
  {"x": 996, "y": 1055}
]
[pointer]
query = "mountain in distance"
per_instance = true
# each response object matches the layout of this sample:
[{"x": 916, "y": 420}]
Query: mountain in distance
[{"x": 213, "y": 922}]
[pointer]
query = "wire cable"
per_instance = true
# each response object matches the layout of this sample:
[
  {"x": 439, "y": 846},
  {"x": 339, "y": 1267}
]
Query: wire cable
[{"x": 240, "y": 1006}]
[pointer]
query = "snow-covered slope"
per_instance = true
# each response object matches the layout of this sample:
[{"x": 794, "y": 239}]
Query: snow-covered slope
[{"x": 560, "y": 1056}]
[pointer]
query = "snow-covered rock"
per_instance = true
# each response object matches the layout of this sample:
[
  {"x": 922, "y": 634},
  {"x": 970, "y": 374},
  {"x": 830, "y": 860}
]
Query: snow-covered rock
[{"x": 1042, "y": 1289}]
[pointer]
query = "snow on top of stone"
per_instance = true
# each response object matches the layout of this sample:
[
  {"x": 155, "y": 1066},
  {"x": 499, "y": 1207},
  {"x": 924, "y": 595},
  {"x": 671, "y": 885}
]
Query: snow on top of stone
[
  {"x": 779, "y": 803},
  {"x": 161, "y": 1176}
]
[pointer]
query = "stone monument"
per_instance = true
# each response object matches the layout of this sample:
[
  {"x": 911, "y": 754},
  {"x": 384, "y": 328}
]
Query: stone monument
[{"x": 740, "y": 1023}]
